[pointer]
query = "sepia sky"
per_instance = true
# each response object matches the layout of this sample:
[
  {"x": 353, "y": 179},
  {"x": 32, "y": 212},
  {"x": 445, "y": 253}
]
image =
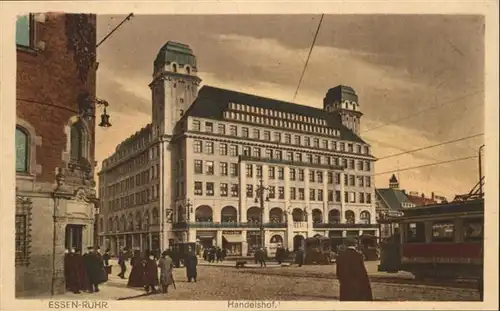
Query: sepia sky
[{"x": 430, "y": 67}]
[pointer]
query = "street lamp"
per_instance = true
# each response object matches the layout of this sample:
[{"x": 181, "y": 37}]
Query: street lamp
[
  {"x": 87, "y": 105},
  {"x": 260, "y": 199},
  {"x": 480, "y": 172}
]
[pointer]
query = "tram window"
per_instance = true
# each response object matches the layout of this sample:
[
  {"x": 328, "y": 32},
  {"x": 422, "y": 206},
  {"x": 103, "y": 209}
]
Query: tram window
[
  {"x": 443, "y": 231},
  {"x": 473, "y": 230},
  {"x": 415, "y": 232}
]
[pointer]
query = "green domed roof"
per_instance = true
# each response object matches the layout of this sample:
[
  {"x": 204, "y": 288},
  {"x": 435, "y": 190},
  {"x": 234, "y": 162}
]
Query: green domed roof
[{"x": 175, "y": 52}]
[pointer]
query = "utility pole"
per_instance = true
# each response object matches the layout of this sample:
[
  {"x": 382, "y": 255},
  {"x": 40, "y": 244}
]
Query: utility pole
[
  {"x": 260, "y": 199},
  {"x": 189, "y": 210},
  {"x": 480, "y": 172}
]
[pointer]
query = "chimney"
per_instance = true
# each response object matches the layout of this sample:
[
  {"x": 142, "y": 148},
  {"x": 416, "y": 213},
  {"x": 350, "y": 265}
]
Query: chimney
[
  {"x": 423, "y": 195},
  {"x": 432, "y": 196}
]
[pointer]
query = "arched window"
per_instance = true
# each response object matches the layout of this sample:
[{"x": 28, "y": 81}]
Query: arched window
[
  {"x": 349, "y": 217},
  {"x": 21, "y": 150},
  {"x": 76, "y": 146},
  {"x": 364, "y": 217},
  {"x": 174, "y": 67}
]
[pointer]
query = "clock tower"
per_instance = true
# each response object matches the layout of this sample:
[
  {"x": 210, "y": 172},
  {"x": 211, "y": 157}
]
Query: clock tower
[{"x": 343, "y": 102}]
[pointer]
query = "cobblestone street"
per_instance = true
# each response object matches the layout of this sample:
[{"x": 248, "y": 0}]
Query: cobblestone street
[{"x": 224, "y": 282}]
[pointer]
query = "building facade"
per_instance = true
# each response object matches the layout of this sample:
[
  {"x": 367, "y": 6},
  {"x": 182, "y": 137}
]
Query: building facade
[
  {"x": 193, "y": 173},
  {"x": 55, "y": 194}
]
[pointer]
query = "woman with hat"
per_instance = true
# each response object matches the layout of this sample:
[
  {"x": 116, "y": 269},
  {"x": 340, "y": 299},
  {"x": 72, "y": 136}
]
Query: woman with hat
[
  {"x": 150, "y": 274},
  {"x": 352, "y": 274},
  {"x": 166, "y": 265}
]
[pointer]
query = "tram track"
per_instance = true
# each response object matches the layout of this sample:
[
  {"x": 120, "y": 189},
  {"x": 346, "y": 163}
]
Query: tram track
[{"x": 396, "y": 280}]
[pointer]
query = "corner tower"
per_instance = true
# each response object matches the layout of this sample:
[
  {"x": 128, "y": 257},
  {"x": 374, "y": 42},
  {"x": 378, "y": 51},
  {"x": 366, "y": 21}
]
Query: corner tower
[
  {"x": 343, "y": 101},
  {"x": 174, "y": 86}
]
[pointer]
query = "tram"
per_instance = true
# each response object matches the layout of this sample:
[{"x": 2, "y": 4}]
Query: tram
[{"x": 437, "y": 241}]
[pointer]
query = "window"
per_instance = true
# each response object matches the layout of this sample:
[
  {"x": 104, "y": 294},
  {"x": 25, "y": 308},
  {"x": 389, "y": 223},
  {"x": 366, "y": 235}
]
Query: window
[
  {"x": 311, "y": 176},
  {"x": 309, "y": 158},
  {"x": 272, "y": 192},
  {"x": 198, "y": 188},
  {"x": 24, "y": 30},
  {"x": 301, "y": 194},
  {"x": 223, "y": 168},
  {"x": 368, "y": 198},
  {"x": 259, "y": 171},
  {"x": 267, "y": 135},
  {"x": 222, "y": 129},
  {"x": 223, "y": 190},
  {"x": 361, "y": 197},
  {"x": 320, "y": 195},
  {"x": 277, "y": 137},
  {"x": 312, "y": 194},
  {"x": 246, "y": 151},
  {"x": 316, "y": 143},
  {"x": 349, "y": 217},
  {"x": 330, "y": 177},
  {"x": 443, "y": 231},
  {"x": 298, "y": 157},
  {"x": 233, "y": 150},
  {"x": 256, "y": 152},
  {"x": 296, "y": 140},
  {"x": 271, "y": 174},
  {"x": 292, "y": 174},
  {"x": 473, "y": 230},
  {"x": 325, "y": 144},
  {"x": 337, "y": 196},
  {"x": 234, "y": 170},
  {"x": 209, "y": 127},
  {"x": 233, "y": 130},
  {"x": 301, "y": 174},
  {"x": 350, "y": 148},
  {"x": 197, "y": 146},
  {"x": 223, "y": 149},
  {"x": 330, "y": 195},
  {"x": 278, "y": 155},
  {"x": 352, "y": 180},
  {"x": 361, "y": 181},
  {"x": 256, "y": 133},
  {"x": 368, "y": 180},
  {"x": 361, "y": 165},
  {"x": 249, "y": 191},
  {"x": 293, "y": 195},
  {"x": 210, "y": 189},
  {"x": 281, "y": 193},
  {"x": 196, "y": 125},
  {"x": 198, "y": 166},
  {"x": 307, "y": 141},
  {"x": 415, "y": 232},
  {"x": 288, "y": 138},
  {"x": 289, "y": 156},
  {"x": 364, "y": 217},
  {"x": 76, "y": 151},
  {"x": 244, "y": 132},
  {"x": 249, "y": 169},
  {"x": 351, "y": 164},
  {"x": 319, "y": 176},
  {"x": 281, "y": 173},
  {"x": 269, "y": 153},
  {"x": 342, "y": 146},
  {"x": 234, "y": 190},
  {"x": 209, "y": 147},
  {"x": 22, "y": 150},
  {"x": 367, "y": 166},
  {"x": 209, "y": 167}
]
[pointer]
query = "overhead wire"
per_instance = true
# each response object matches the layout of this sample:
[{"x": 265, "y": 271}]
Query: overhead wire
[
  {"x": 431, "y": 146},
  {"x": 308, "y": 57},
  {"x": 426, "y": 165}
]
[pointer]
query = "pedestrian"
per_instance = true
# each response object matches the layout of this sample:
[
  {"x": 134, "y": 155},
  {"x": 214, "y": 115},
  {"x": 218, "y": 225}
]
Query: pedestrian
[
  {"x": 352, "y": 274},
  {"x": 93, "y": 267},
  {"x": 150, "y": 275},
  {"x": 299, "y": 257},
  {"x": 166, "y": 265},
  {"x": 71, "y": 272},
  {"x": 121, "y": 262},
  {"x": 135, "y": 278},
  {"x": 191, "y": 263},
  {"x": 261, "y": 255},
  {"x": 81, "y": 278}
]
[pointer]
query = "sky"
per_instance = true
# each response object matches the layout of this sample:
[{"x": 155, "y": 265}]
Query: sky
[{"x": 419, "y": 79}]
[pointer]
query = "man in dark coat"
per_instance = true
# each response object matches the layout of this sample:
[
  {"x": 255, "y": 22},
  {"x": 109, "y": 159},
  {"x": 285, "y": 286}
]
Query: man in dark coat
[
  {"x": 262, "y": 257},
  {"x": 352, "y": 275},
  {"x": 191, "y": 262},
  {"x": 299, "y": 257},
  {"x": 150, "y": 275},
  {"x": 81, "y": 273},
  {"x": 94, "y": 269},
  {"x": 135, "y": 278},
  {"x": 121, "y": 263}
]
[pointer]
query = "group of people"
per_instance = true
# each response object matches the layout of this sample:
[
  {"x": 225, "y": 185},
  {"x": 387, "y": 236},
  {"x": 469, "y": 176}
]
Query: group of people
[
  {"x": 144, "y": 272},
  {"x": 85, "y": 272},
  {"x": 214, "y": 254}
]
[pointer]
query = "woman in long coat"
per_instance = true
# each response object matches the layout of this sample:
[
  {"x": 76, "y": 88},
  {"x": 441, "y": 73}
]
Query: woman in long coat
[
  {"x": 190, "y": 263},
  {"x": 150, "y": 275},
  {"x": 135, "y": 278},
  {"x": 166, "y": 265},
  {"x": 352, "y": 275}
]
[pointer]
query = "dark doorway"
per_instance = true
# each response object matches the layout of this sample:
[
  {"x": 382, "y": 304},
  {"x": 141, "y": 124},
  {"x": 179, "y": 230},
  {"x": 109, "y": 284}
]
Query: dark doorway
[
  {"x": 298, "y": 242},
  {"x": 73, "y": 237}
]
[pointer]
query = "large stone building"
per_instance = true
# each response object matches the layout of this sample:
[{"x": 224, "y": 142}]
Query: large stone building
[
  {"x": 192, "y": 174},
  {"x": 55, "y": 192}
]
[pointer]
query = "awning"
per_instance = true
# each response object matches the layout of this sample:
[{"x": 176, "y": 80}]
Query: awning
[{"x": 236, "y": 238}]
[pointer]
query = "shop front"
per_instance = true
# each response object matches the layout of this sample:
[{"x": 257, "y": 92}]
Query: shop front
[
  {"x": 253, "y": 241},
  {"x": 206, "y": 238},
  {"x": 232, "y": 241}
]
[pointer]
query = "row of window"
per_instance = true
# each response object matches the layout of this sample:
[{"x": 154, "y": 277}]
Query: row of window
[
  {"x": 124, "y": 224},
  {"x": 139, "y": 198},
  {"x": 278, "y": 192},
  {"x": 444, "y": 231},
  {"x": 279, "y": 137},
  {"x": 133, "y": 165},
  {"x": 231, "y": 169},
  {"x": 233, "y": 150},
  {"x": 140, "y": 179}
]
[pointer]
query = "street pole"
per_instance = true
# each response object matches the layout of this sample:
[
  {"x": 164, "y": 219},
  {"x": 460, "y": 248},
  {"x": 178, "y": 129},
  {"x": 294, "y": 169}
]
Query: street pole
[
  {"x": 480, "y": 172},
  {"x": 261, "y": 198}
]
